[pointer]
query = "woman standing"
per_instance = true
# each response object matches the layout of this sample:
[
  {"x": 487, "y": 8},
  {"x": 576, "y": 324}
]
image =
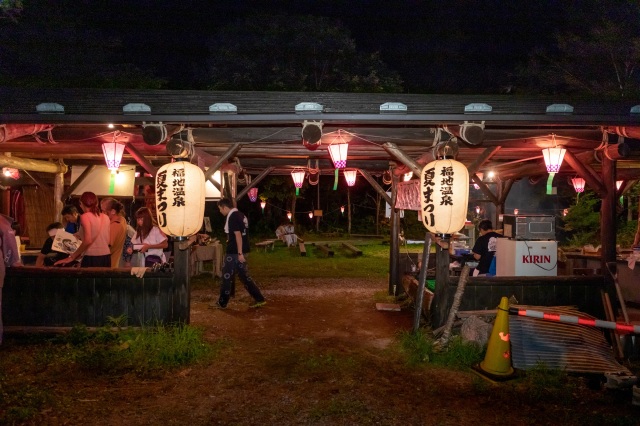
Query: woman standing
[
  {"x": 118, "y": 228},
  {"x": 151, "y": 239},
  {"x": 94, "y": 232}
]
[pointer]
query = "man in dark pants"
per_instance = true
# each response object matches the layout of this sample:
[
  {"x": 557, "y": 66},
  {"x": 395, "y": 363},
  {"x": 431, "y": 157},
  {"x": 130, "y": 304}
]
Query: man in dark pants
[{"x": 234, "y": 260}]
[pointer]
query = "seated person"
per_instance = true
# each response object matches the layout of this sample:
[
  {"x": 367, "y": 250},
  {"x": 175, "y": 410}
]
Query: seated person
[
  {"x": 286, "y": 233},
  {"x": 47, "y": 256}
]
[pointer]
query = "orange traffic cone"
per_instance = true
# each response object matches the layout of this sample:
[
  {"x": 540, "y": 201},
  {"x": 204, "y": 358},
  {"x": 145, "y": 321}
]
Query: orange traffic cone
[{"x": 497, "y": 361}]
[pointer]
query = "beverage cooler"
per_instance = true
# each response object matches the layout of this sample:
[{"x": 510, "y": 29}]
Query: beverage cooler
[{"x": 526, "y": 258}]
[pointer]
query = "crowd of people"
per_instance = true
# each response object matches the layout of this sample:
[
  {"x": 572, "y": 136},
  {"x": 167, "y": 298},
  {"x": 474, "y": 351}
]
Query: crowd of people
[{"x": 104, "y": 236}]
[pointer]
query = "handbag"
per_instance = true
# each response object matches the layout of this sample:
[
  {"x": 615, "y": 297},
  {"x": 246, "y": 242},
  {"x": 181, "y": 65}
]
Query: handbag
[{"x": 151, "y": 260}]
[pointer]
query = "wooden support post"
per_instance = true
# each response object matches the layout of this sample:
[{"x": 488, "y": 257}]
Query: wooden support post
[
  {"x": 422, "y": 277},
  {"x": 394, "y": 270},
  {"x": 396, "y": 153},
  {"x": 181, "y": 279},
  {"x": 440, "y": 303},
  {"x": 58, "y": 188},
  {"x": 608, "y": 214}
]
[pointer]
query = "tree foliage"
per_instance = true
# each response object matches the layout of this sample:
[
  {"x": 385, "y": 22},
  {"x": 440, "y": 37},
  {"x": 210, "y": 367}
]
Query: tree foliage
[
  {"x": 50, "y": 47},
  {"x": 603, "y": 61},
  {"x": 294, "y": 53}
]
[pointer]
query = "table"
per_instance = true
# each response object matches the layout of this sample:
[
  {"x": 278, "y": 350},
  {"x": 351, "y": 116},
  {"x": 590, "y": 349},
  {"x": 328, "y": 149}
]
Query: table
[
  {"x": 201, "y": 254},
  {"x": 29, "y": 256}
]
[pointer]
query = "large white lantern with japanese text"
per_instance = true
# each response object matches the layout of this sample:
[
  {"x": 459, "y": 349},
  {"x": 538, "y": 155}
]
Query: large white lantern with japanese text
[
  {"x": 180, "y": 197},
  {"x": 444, "y": 194}
]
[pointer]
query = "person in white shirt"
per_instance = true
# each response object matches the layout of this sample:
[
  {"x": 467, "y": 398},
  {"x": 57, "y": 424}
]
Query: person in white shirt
[{"x": 150, "y": 239}]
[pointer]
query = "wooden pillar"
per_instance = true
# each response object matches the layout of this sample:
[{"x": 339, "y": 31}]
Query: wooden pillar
[
  {"x": 58, "y": 190},
  {"x": 182, "y": 278},
  {"x": 608, "y": 213},
  {"x": 499, "y": 205},
  {"x": 394, "y": 246},
  {"x": 440, "y": 302}
]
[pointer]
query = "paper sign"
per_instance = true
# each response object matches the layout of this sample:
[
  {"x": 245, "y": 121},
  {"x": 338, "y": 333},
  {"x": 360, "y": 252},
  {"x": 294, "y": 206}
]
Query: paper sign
[
  {"x": 65, "y": 242},
  {"x": 207, "y": 224}
]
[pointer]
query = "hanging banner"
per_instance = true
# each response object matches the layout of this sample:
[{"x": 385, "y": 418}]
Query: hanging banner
[{"x": 408, "y": 196}]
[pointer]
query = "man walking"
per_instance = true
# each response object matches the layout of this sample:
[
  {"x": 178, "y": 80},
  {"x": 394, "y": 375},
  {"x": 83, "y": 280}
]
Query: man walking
[{"x": 234, "y": 260}]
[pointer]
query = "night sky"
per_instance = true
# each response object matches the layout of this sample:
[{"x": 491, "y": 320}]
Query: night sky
[{"x": 462, "y": 46}]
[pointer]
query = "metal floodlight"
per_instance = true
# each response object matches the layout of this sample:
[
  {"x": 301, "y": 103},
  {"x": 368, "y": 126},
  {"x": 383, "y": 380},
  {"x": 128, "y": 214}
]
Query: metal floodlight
[
  {"x": 312, "y": 134},
  {"x": 471, "y": 133},
  {"x": 154, "y": 134},
  {"x": 178, "y": 148}
]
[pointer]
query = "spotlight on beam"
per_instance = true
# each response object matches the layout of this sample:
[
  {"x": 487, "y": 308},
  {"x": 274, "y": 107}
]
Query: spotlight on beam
[
  {"x": 178, "y": 148},
  {"x": 154, "y": 134},
  {"x": 471, "y": 133},
  {"x": 312, "y": 134}
]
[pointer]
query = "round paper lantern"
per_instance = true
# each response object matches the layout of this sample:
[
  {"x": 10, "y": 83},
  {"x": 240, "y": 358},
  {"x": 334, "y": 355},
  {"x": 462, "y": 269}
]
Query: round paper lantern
[
  {"x": 180, "y": 212},
  {"x": 444, "y": 195}
]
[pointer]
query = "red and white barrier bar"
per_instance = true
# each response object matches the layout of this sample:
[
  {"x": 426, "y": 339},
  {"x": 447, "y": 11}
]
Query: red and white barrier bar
[{"x": 571, "y": 319}]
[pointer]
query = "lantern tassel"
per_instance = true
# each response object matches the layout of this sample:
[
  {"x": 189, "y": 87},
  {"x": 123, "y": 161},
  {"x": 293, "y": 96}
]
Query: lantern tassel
[
  {"x": 550, "y": 183},
  {"x": 335, "y": 181},
  {"x": 297, "y": 191}
]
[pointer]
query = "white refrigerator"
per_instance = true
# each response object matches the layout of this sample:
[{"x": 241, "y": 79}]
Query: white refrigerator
[{"x": 526, "y": 258}]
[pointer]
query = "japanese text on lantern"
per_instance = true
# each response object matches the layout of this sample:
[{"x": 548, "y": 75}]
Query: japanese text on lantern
[
  {"x": 427, "y": 196},
  {"x": 446, "y": 186},
  {"x": 161, "y": 198},
  {"x": 178, "y": 188}
]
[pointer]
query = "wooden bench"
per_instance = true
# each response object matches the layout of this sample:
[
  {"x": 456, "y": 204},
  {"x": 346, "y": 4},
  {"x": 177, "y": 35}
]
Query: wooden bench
[
  {"x": 355, "y": 250},
  {"x": 325, "y": 248},
  {"x": 266, "y": 244},
  {"x": 301, "y": 246}
]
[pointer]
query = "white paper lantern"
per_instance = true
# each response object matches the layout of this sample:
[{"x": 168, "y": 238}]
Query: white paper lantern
[
  {"x": 180, "y": 197},
  {"x": 444, "y": 195}
]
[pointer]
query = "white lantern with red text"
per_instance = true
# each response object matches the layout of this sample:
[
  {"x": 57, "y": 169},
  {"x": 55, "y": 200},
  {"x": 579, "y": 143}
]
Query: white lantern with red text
[
  {"x": 444, "y": 196},
  {"x": 180, "y": 198},
  {"x": 350, "y": 176}
]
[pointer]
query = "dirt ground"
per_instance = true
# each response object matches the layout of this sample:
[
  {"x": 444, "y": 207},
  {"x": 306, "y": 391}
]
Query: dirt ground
[{"x": 318, "y": 353}]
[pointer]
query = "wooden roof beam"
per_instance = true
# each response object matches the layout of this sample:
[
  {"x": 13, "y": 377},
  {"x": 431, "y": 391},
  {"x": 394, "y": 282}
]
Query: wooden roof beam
[
  {"x": 397, "y": 153},
  {"x": 144, "y": 163},
  {"x": 587, "y": 173},
  {"x": 376, "y": 186},
  {"x": 254, "y": 182}
]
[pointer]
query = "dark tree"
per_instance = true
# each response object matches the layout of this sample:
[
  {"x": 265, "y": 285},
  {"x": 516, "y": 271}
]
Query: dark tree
[
  {"x": 603, "y": 60},
  {"x": 294, "y": 53}
]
